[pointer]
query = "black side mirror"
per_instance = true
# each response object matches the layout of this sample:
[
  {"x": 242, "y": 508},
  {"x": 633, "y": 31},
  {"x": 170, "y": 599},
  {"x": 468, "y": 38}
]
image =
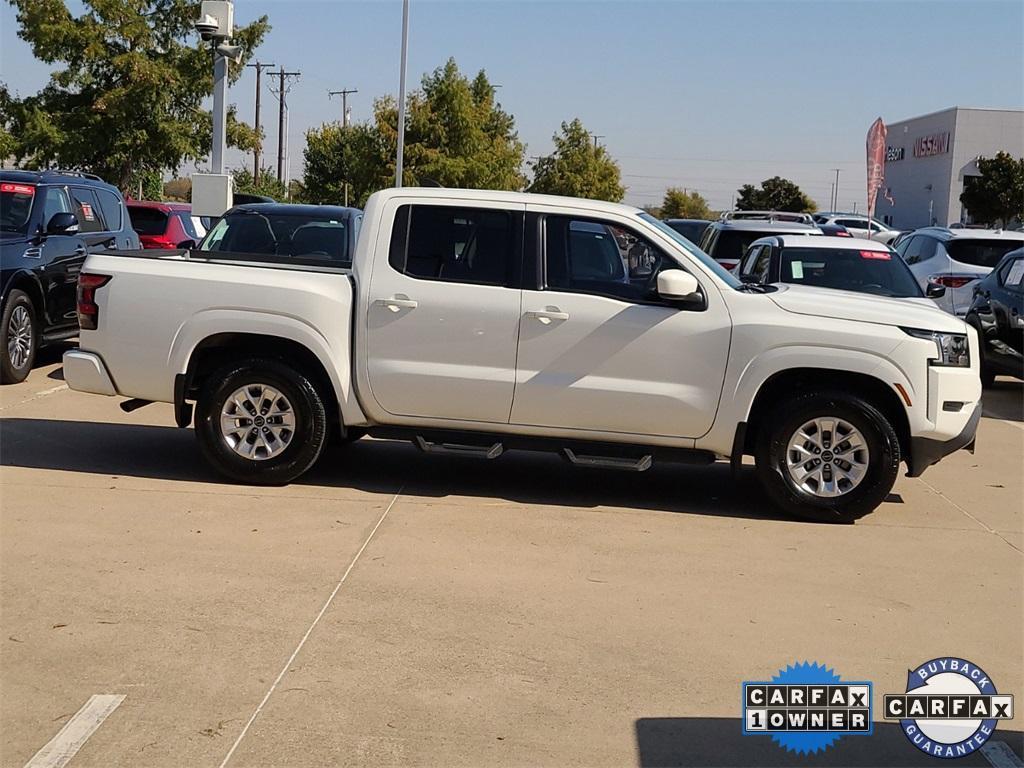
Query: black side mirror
[
  {"x": 62, "y": 224},
  {"x": 935, "y": 291},
  {"x": 187, "y": 245}
]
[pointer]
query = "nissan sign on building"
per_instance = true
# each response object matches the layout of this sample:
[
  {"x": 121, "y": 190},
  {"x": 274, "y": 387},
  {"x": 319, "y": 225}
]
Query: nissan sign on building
[{"x": 928, "y": 159}]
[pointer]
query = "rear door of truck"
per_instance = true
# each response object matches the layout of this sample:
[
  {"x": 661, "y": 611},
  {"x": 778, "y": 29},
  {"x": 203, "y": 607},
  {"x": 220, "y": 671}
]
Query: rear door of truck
[{"x": 442, "y": 315}]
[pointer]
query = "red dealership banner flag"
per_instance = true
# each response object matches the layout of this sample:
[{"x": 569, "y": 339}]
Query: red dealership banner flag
[{"x": 876, "y": 162}]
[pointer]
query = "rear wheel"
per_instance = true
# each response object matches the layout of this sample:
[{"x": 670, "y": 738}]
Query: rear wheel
[
  {"x": 260, "y": 421},
  {"x": 829, "y": 457},
  {"x": 19, "y": 338}
]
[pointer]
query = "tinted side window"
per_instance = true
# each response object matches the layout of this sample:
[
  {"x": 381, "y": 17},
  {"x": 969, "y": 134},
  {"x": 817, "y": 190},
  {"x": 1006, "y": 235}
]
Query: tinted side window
[
  {"x": 764, "y": 259},
  {"x": 589, "y": 256},
  {"x": 749, "y": 260},
  {"x": 56, "y": 201},
  {"x": 189, "y": 226},
  {"x": 458, "y": 245},
  {"x": 112, "y": 209},
  {"x": 1011, "y": 276},
  {"x": 87, "y": 209},
  {"x": 920, "y": 248}
]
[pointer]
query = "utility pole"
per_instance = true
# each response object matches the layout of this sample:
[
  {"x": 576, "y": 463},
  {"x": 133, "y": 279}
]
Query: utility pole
[
  {"x": 399, "y": 154},
  {"x": 596, "y": 137},
  {"x": 344, "y": 92},
  {"x": 835, "y": 194},
  {"x": 258, "y": 152},
  {"x": 282, "y": 131}
]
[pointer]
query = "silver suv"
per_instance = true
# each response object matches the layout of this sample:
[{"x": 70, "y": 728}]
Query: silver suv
[{"x": 727, "y": 239}]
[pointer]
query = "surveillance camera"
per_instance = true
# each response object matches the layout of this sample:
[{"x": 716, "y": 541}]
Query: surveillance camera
[{"x": 207, "y": 27}]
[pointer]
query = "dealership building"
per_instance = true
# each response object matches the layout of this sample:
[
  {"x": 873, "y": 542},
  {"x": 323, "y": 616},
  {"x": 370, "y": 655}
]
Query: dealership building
[{"x": 930, "y": 158}]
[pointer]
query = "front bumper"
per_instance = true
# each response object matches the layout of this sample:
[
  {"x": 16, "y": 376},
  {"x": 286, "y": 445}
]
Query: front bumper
[
  {"x": 924, "y": 451},
  {"x": 85, "y": 372}
]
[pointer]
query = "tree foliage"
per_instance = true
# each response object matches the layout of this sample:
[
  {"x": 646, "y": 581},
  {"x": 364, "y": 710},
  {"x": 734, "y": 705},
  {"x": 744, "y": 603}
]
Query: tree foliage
[
  {"x": 126, "y": 98},
  {"x": 997, "y": 195},
  {"x": 775, "y": 194},
  {"x": 268, "y": 184},
  {"x": 456, "y": 135},
  {"x": 577, "y": 168},
  {"x": 679, "y": 204}
]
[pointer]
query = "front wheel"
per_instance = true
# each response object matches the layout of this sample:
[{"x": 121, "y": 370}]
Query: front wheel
[
  {"x": 19, "y": 338},
  {"x": 828, "y": 457},
  {"x": 260, "y": 421}
]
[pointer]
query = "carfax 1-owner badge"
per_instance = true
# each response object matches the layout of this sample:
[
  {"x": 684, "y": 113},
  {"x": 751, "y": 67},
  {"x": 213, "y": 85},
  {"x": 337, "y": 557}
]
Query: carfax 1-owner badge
[{"x": 950, "y": 708}]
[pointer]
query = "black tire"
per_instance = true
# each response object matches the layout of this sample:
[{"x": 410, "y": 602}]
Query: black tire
[
  {"x": 10, "y": 373},
  {"x": 882, "y": 462},
  {"x": 305, "y": 442}
]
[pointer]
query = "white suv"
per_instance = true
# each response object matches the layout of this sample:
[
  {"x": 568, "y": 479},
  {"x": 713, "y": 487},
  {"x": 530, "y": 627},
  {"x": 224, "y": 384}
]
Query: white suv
[
  {"x": 956, "y": 259},
  {"x": 859, "y": 225}
]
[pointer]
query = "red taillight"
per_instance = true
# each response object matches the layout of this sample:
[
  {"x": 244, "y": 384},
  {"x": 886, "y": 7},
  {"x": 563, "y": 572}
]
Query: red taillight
[
  {"x": 88, "y": 309},
  {"x": 843, "y": 234},
  {"x": 951, "y": 281},
  {"x": 879, "y": 255}
]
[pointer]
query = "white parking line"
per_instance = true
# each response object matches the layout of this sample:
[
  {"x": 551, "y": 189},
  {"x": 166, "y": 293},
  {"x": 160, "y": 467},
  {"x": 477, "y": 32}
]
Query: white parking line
[
  {"x": 76, "y": 731},
  {"x": 309, "y": 631},
  {"x": 37, "y": 396},
  {"x": 51, "y": 390}
]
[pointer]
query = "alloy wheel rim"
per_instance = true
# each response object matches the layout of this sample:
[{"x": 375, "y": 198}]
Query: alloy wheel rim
[
  {"x": 257, "y": 422},
  {"x": 827, "y": 457},
  {"x": 19, "y": 337}
]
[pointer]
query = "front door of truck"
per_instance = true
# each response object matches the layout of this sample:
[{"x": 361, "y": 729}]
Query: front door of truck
[
  {"x": 443, "y": 312},
  {"x": 598, "y": 350}
]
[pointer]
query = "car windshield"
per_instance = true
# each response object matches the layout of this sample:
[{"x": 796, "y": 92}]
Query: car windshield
[
  {"x": 980, "y": 252},
  {"x": 148, "y": 221},
  {"x": 689, "y": 247},
  {"x": 304, "y": 238},
  {"x": 881, "y": 273},
  {"x": 15, "y": 207}
]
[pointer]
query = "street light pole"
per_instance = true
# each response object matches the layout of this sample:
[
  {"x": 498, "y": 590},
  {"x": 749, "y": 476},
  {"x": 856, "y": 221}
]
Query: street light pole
[
  {"x": 401, "y": 94},
  {"x": 220, "y": 115}
]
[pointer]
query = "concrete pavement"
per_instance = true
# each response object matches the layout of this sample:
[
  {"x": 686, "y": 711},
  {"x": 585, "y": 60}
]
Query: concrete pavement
[{"x": 400, "y": 609}]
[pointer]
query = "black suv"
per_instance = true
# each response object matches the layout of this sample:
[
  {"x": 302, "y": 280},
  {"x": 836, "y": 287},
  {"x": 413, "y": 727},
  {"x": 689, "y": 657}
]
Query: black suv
[{"x": 49, "y": 221}]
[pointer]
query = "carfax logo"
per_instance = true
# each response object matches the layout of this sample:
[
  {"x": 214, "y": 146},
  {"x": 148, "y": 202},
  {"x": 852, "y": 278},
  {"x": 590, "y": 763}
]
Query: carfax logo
[
  {"x": 950, "y": 707},
  {"x": 807, "y": 708}
]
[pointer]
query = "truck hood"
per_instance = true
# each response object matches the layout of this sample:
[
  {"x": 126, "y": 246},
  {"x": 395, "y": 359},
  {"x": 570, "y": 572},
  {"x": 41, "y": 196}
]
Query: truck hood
[{"x": 865, "y": 308}]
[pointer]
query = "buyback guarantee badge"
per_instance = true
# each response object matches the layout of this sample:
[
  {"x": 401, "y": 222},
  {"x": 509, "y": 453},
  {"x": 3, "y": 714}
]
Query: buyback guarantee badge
[
  {"x": 950, "y": 708},
  {"x": 807, "y": 708}
]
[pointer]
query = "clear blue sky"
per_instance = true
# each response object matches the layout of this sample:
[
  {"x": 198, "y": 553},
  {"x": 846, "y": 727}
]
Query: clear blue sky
[{"x": 705, "y": 95}]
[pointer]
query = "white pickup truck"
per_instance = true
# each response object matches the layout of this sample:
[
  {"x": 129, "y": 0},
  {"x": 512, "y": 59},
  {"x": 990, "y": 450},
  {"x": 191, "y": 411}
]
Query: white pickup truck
[{"x": 473, "y": 322}]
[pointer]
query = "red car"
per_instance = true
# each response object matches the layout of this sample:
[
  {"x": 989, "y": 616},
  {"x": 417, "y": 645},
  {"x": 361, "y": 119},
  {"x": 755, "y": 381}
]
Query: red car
[{"x": 165, "y": 225}]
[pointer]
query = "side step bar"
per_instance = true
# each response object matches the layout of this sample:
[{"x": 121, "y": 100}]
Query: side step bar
[
  {"x": 459, "y": 449},
  {"x": 640, "y": 464}
]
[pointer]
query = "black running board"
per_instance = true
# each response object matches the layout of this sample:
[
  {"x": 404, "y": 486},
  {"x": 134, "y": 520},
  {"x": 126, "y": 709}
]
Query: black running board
[{"x": 627, "y": 457}]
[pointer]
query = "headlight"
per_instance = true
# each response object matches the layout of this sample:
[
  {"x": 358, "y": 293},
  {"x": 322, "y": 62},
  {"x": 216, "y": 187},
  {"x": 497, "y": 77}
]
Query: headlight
[{"x": 953, "y": 349}]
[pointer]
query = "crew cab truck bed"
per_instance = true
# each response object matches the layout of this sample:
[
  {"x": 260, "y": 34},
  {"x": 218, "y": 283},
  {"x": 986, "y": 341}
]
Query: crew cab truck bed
[{"x": 475, "y": 322}]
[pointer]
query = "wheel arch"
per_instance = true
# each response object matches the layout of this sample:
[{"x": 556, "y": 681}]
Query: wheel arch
[
  {"x": 793, "y": 381},
  {"x": 216, "y": 350},
  {"x": 23, "y": 280}
]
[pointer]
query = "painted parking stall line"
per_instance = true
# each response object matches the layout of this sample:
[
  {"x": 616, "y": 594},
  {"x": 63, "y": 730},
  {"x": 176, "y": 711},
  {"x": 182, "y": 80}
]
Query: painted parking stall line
[{"x": 76, "y": 731}]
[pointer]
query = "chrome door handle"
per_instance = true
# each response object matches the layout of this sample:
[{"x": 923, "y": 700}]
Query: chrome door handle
[
  {"x": 547, "y": 315},
  {"x": 398, "y": 303}
]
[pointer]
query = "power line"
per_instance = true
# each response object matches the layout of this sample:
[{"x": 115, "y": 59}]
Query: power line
[{"x": 258, "y": 152}]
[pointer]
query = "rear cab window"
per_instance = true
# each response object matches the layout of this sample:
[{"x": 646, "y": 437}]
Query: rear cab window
[
  {"x": 455, "y": 244},
  {"x": 280, "y": 236}
]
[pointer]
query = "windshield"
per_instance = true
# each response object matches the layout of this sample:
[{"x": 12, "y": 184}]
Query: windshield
[
  {"x": 303, "y": 238},
  {"x": 980, "y": 252},
  {"x": 881, "y": 273},
  {"x": 15, "y": 207},
  {"x": 692, "y": 249}
]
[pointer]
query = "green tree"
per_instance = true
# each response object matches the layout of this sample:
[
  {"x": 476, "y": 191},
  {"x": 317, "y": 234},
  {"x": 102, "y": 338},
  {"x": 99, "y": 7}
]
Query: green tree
[
  {"x": 126, "y": 99},
  {"x": 577, "y": 168},
  {"x": 268, "y": 184},
  {"x": 8, "y": 144},
  {"x": 997, "y": 195},
  {"x": 679, "y": 204},
  {"x": 336, "y": 155},
  {"x": 178, "y": 190},
  {"x": 775, "y": 194}
]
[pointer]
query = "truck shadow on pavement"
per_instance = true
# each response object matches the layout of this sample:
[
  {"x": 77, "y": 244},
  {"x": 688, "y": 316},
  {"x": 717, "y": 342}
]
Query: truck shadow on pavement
[
  {"x": 718, "y": 742},
  {"x": 383, "y": 466}
]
